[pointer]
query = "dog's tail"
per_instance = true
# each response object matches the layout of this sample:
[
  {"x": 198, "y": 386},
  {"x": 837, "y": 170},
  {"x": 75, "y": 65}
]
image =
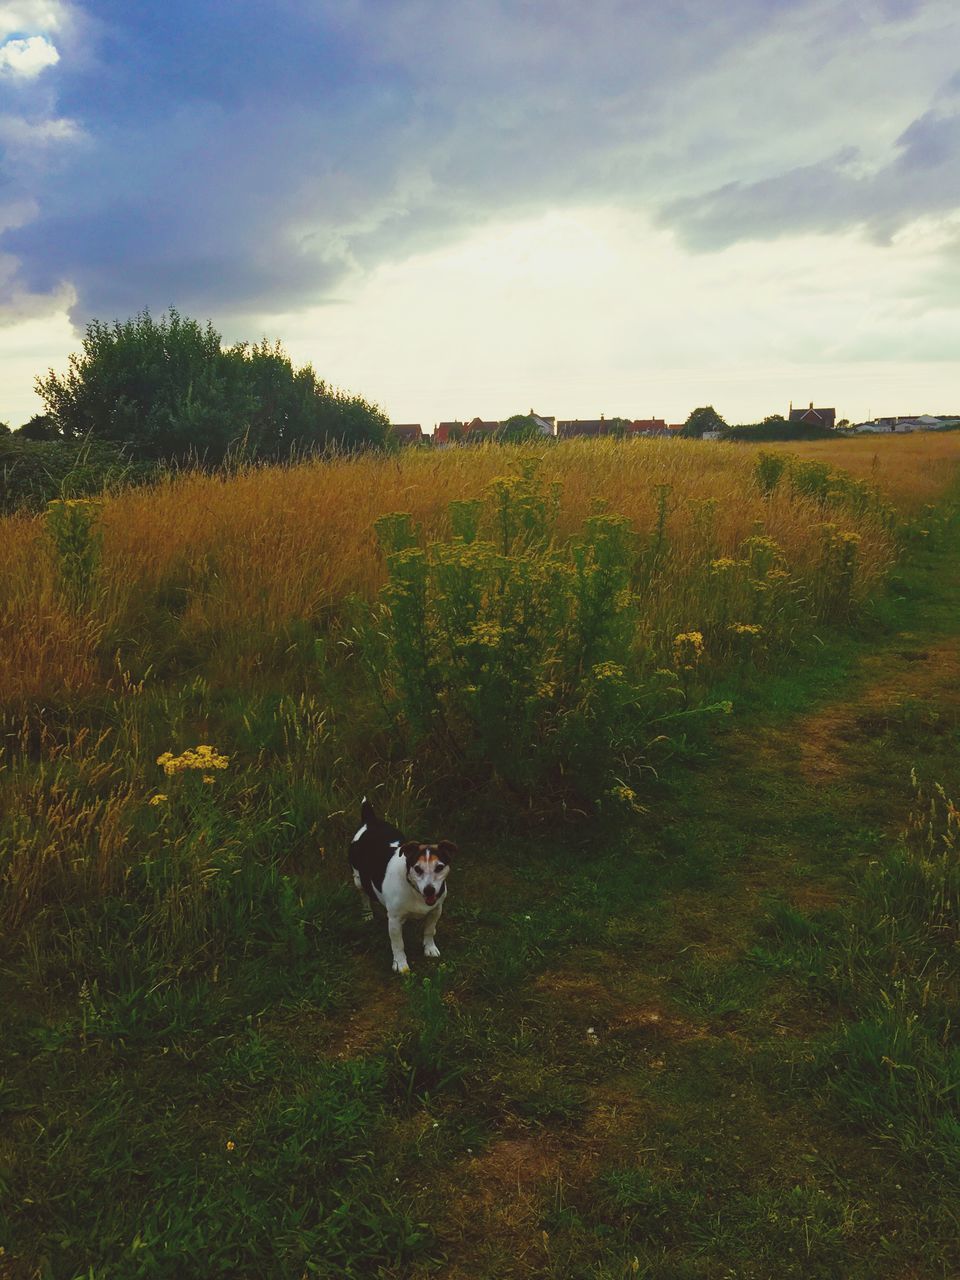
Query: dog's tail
[{"x": 367, "y": 812}]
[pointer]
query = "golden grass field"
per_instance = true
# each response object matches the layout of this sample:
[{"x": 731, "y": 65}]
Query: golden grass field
[
  {"x": 912, "y": 470},
  {"x": 224, "y": 565}
]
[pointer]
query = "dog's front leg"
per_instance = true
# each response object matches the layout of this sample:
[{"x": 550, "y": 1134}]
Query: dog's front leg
[
  {"x": 395, "y": 927},
  {"x": 431, "y": 921}
]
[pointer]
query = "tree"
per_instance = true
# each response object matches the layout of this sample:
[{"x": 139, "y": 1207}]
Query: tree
[
  {"x": 40, "y": 427},
  {"x": 167, "y": 389},
  {"x": 703, "y": 419},
  {"x": 518, "y": 429},
  {"x": 4, "y": 429}
]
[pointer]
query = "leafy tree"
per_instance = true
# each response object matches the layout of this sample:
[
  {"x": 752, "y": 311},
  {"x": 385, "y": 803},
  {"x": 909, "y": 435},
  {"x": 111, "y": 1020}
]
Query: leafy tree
[
  {"x": 40, "y": 427},
  {"x": 167, "y": 389},
  {"x": 518, "y": 429},
  {"x": 703, "y": 419},
  {"x": 4, "y": 429}
]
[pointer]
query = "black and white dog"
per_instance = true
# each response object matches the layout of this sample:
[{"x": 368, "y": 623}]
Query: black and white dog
[{"x": 405, "y": 876}]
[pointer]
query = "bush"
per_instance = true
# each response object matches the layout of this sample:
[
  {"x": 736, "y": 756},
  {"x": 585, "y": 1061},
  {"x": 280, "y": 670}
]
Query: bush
[
  {"x": 168, "y": 390},
  {"x": 510, "y": 656},
  {"x": 33, "y": 473}
]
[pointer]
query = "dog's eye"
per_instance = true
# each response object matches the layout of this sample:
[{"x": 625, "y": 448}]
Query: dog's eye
[
  {"x": 441, "y": 865},
  {"x": 418, "y": 870}
]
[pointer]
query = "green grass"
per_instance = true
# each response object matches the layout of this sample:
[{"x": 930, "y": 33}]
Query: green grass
[{"x": 716, "y": 1041}]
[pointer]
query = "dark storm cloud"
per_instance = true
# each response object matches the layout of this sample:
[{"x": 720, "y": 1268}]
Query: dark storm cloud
[
  {"x": 923, "y": 177},
  {"x": 242, "y": 157}
]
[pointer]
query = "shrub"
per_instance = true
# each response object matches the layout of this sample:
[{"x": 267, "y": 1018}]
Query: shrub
[{"x": 511, "y": 655}]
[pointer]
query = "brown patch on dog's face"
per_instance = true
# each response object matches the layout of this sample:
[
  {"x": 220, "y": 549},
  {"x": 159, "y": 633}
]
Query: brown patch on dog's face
[{"x": 427, "y": 867}]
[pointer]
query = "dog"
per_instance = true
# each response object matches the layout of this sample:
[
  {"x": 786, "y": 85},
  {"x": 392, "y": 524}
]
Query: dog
[{"x": 407, "y": 877}]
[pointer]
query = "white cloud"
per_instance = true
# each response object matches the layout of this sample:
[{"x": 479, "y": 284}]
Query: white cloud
[
  {"x": 18, "y": 16},
  {"x": 31, "y": 136},
  {"x": 27, "y": 58}
]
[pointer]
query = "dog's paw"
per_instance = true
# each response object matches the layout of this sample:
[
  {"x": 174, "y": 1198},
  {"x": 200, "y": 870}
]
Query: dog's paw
[
  {"x": 401, "y": 966},
  {"x": 431, "y": 950}
]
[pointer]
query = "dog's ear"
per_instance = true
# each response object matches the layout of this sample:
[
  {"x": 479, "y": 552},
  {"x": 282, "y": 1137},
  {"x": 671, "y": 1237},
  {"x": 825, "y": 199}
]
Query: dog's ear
[
  {"x": 411, "y": 851},
  {"x": 446, "y": 849}
]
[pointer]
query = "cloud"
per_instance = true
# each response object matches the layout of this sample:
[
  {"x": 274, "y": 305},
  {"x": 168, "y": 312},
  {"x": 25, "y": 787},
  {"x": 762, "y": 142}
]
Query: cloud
[
  {"x": 234, "y": 160},
  {"x": 834, "y": 194},
  {"x": 18, "y": 17},
  {"x": 28, "y": 57}
]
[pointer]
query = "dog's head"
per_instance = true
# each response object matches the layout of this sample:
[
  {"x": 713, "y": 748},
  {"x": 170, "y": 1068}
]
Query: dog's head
[{"x": 428, "y": 866}]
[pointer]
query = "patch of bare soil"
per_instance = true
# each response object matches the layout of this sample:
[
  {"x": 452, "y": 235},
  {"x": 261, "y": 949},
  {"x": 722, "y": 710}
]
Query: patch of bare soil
[
  {"x": 500, "y": 1198},
  {"x": 634, "y": 1014},
  {"x": 829, "y": 740}
]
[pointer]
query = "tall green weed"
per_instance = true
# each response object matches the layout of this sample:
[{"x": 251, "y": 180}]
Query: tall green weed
[{"x": 509, "y": 654}]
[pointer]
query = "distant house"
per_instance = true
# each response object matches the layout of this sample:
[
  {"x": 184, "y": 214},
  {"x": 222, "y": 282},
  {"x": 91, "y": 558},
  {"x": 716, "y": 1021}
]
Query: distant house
[
  {"x": 407, "y": 432},
  {"x": 583, "y": 427},
  {"x": 546, "y": 426},
  {"x": 447, "y": 433},
  {"x": 473, "y": 432},
  {"x": 476, "y": 430},
  {"x": 649, "y": 427},
  {"x": 812, "y": 417},
  {"x": 675, "y": 428}
]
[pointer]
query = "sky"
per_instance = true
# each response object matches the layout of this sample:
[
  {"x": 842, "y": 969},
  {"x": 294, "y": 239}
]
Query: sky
[{"x": 626, "y": 207}]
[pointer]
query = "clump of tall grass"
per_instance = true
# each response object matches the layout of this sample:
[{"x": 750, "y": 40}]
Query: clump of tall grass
[
  {"x": 911, "y": 471},
  {"x": 898, "y": 1061}
]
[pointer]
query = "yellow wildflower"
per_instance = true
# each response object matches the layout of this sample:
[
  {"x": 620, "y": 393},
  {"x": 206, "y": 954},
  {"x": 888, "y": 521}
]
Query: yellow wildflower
[
  {"x": 202, "y": 757},
  {"x": 692, "y": 640},
  {"x": 608, "y": 671},
  {"x": 231, "y": 1145},
  {"x": 688, "y": 649},
  {"x": 719, "y": 566},
  {"x": 208, "y": 779},
  {"x": 159, "y": 798},
  {"x": 486, "y": 633},
  {"x": 746, "y": 628}
]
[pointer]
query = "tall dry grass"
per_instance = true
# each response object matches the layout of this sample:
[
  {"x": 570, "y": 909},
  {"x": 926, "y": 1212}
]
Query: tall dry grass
[
  {"x": 219, "y": 569},
  {"x": 910, "y": 470},
  {"x": 221, "y": 610}
]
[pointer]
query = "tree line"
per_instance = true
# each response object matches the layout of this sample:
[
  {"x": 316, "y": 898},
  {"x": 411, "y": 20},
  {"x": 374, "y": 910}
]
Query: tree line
[{"x": 168, "y": 390}]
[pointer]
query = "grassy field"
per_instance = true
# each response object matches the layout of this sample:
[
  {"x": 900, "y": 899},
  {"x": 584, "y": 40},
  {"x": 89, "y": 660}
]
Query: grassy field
[{"x": 694, "y": 1020}]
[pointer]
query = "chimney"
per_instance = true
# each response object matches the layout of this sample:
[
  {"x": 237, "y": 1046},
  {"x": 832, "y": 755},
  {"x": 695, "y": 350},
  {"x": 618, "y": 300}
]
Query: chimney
[{"x": 811, "y": 404}]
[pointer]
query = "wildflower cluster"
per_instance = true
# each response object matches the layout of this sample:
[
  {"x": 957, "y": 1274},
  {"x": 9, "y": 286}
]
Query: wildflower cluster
[
  {"x": 57, "y": 503},
  {"x": 688, "y": 648},
  {"x": 608, "y": 671},
  {"x": 746, "y": 628},
  {"x": 202, "y": 757}
]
